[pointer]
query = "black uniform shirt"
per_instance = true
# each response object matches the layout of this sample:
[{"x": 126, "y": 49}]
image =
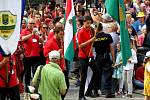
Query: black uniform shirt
[{"x": 102, "y": 43}]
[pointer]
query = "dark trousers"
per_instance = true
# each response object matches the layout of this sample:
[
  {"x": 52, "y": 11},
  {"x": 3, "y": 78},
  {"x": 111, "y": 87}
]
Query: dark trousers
[
  {"x": 30, "y": 62},
  {"x": 12, "y": 92},
  {"x": 104, "y": 64},
  {"x": 66, "y": 73},
  {"x": 84, "y": 63}
]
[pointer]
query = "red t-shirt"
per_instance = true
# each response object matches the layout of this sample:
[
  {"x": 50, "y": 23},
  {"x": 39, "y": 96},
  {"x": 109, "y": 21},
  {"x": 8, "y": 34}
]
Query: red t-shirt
[
  {"x": 31, "y": 46},
  {"x": 84, "y": 35},
  {"x": 139, "y": 74},
  {"x": 51, "y": 45},
  {"x": 50, "y": 35},
  {"x": 13, "y": 77}
]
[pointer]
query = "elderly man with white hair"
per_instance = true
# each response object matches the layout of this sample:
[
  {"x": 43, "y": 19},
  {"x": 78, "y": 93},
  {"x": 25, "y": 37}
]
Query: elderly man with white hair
[{"x": 52, "y": 84}]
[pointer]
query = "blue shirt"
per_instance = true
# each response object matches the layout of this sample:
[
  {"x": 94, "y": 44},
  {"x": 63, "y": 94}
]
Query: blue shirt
[{"x": 137, "y": 25}]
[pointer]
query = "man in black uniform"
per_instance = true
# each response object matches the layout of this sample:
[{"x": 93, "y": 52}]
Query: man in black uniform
[{"x": 104, "y": 58}]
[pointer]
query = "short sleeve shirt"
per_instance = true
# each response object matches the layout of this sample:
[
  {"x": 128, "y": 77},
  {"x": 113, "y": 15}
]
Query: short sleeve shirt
[
  {"x": 84, "y": 35},
  {"x": 53, "y": 44},
  {"x": 31, "y": 46},
  {"x": 102, "y": 43}
]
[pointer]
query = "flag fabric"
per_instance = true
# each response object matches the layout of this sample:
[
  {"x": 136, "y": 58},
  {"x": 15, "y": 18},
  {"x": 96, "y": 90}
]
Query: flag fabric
[
  {"x": 116, "y": 9},
  {"x": 70, "y": 31},
  {"x": 10, "y": 21}
]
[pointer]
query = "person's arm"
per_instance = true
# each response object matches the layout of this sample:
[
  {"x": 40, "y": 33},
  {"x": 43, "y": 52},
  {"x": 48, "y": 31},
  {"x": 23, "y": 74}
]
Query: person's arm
[
  {"x": 148, "y": 68},
  {"x": 63, "y": 92},
  {"x": 34, "y": 81},
  {"x": 62, "y": 84},
  {"x": 24, "y": 38},
  {"x": 96, "y": 17},
  {"x": 4, "y": 61},
  {"x": 118, "y": 59},
  {"x": 47, "y": 48},
  {"x": 28, "y": 36},
  {"x": 112, "y": 53},
  {"x": 82, "y": 45}
]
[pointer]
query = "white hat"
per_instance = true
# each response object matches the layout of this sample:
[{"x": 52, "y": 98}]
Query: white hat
[
  {"x": 54, "y": 54},
  {"x": 147, "y": 54},
  {"x": 107, "y": 17}
]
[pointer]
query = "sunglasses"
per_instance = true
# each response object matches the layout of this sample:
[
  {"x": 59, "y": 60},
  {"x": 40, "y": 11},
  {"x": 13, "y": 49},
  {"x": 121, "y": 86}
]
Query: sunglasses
[
  {"x": 45, "y": 27},
  {"x": 31, "y": 23}
]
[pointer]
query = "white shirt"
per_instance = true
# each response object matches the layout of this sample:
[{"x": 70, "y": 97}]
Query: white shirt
[{"x": 133, "y": 58}]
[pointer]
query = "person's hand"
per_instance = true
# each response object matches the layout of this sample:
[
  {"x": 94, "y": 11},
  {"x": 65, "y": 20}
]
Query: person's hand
[
  {"x": 60, "y": 51},
  {"x": 4, "y": 61},
  {"x": 34, "y": 31},
  {"x": 114, "y": 65},
  {"x": 129, "y": 60}
]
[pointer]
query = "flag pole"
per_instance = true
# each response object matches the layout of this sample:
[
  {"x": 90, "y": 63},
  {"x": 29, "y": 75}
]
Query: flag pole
[
  {"x": 86, "y": 4},
  {"x": 93, "y": 40},
  {"x": 29, "y": 3}
]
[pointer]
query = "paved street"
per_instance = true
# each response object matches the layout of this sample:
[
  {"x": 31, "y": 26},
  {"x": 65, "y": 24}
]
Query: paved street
[{"x": 73, "y": 95}]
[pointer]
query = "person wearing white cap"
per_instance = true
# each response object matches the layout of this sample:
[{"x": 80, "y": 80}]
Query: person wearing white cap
[
  {"x": 52, "y": 84},
  {"x": 106, "y": 20},
  {"x": 147, "y": 77}
]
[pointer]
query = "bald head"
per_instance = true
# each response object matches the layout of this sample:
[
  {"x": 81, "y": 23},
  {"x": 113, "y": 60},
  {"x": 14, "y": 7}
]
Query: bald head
[
  {"x": 59, "y": 24},
  {"x": 31, "y": 23}
]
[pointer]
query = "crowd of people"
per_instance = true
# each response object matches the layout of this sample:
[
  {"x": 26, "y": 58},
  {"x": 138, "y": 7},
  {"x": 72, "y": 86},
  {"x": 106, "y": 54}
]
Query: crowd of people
[{"x": 98, "y": 47}]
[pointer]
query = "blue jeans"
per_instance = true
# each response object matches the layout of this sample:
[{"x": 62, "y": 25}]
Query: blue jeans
[{"x": 138, "y": 84}]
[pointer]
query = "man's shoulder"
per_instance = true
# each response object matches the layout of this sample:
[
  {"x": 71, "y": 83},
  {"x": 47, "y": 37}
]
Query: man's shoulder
[
  {"x": 50, "y": 41},
  {"x": 50, "y": 66},
  {"x": 25, "y": 31},
  {"x": 104, "y": 34},
  {"x": 82, "y": 29}
]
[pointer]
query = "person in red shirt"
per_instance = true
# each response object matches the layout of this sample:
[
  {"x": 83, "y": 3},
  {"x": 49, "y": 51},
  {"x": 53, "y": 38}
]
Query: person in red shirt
[
  {"x": 24, "y": 24},
  {"x": 30, "y": 40},
  {"x": 139, "y": 78},
  {"x": 51, "y": 33},
  {"x": 86, "y": 52},
  {"x": 56, "y": 43},
  {"x": 8, "y": 78},
  {"x": 44, "y": 35},
  {"x": 37, "y": 18}
]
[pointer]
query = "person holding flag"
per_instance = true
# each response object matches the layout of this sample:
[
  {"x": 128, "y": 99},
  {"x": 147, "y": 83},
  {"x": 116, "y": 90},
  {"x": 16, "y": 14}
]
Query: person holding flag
[
  {"x": 8, "y": 77},
  {"x": 116, "y": 9},
  {"x": 86, "y": 59},
  {"x": 10, "y": 21}
]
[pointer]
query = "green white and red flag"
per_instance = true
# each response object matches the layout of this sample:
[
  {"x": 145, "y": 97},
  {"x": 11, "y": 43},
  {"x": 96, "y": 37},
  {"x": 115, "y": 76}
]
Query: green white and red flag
[{"x": 70, "y": 31}]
